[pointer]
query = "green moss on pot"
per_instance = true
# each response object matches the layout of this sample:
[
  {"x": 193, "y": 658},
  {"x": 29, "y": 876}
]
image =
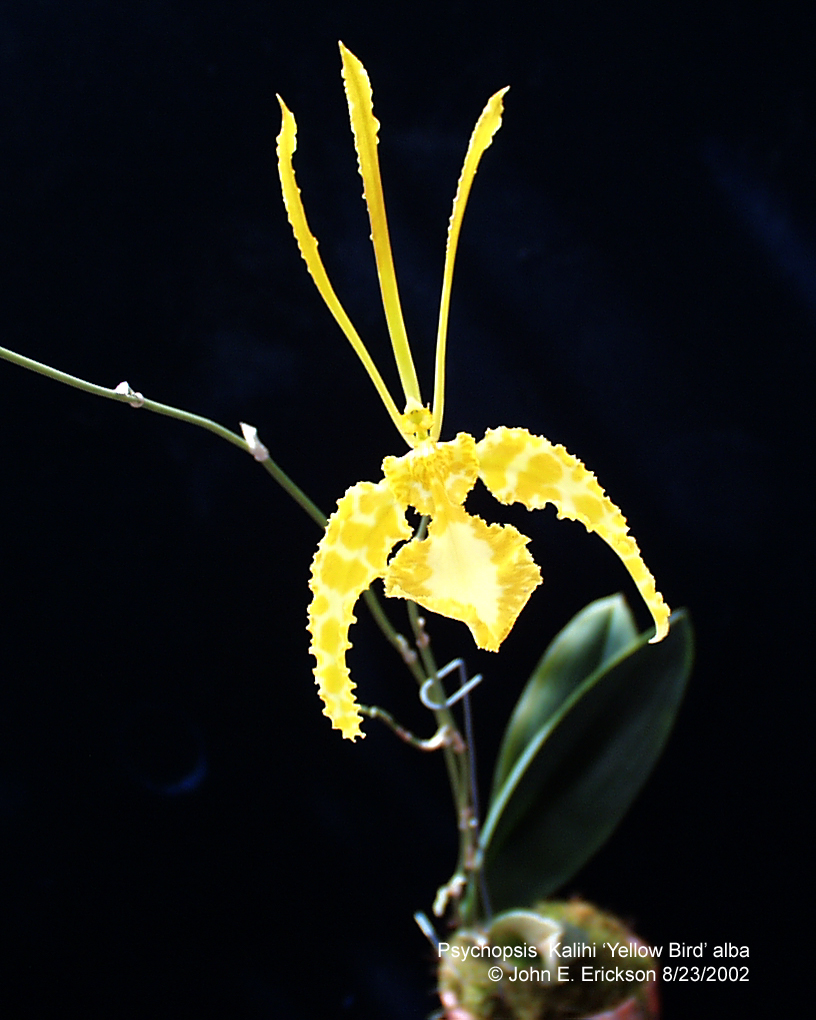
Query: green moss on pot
[{"x": 553, "y": 962}]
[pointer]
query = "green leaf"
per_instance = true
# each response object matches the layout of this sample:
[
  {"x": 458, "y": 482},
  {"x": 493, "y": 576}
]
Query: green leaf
[
  {"x": 566, "y": 790},
  {"x": 599, "y": 633}
]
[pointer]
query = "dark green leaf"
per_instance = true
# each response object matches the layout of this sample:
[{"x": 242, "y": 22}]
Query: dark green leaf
[
  {"x": 599, "y": 633},
  {"x": 575, "y": 779}
]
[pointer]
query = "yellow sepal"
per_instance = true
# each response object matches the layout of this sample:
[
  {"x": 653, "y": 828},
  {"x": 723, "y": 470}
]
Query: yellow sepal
[
  {"x": 364, "y": 126},
  {"x": 353, "y": 552},
  {"x": 519, "y": 467}
]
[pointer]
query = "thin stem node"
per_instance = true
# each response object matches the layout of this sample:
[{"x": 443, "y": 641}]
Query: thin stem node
[
  {"x": 136, "y": 400},
  {"x": 444, "y": 736}
]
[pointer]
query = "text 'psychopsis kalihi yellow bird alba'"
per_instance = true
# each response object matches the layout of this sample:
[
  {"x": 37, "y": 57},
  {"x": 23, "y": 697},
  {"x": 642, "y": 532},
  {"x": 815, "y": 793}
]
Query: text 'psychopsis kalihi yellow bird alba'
[{"x": 462, "y": 568}]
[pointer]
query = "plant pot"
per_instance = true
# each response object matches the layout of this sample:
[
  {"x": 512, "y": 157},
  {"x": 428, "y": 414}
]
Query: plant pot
[{"x": 558, "y": 961}]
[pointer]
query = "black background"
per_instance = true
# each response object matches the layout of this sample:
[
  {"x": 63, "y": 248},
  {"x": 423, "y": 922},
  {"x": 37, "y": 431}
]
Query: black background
[{"x": 182, "y": 833}]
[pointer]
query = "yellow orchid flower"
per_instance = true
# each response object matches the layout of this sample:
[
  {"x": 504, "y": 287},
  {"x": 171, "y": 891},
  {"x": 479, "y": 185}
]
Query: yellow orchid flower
[{"x": 481, "y": 574}]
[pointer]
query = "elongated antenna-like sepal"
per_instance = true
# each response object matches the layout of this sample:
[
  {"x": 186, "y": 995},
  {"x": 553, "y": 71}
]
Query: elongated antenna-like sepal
[
  {"x": 486, "y": 127},
  {"x": 365, "y": 125}
]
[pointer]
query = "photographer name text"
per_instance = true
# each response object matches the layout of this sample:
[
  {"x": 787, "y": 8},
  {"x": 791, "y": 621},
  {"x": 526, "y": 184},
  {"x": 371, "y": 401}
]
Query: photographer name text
[{"x": 556, "y": 973}]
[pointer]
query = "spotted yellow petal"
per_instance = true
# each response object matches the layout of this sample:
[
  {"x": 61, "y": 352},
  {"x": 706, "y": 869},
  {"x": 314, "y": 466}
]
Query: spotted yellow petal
[
  {"x": 519, "y": 467},
  {"x": 470, "y": 571},
  {"x": 353, "y": 552}
]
